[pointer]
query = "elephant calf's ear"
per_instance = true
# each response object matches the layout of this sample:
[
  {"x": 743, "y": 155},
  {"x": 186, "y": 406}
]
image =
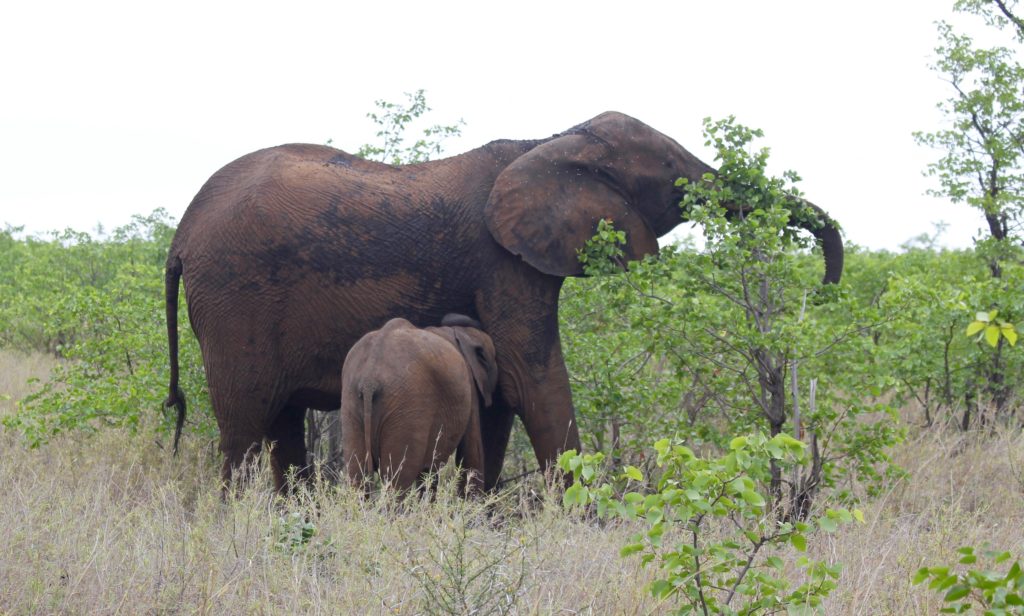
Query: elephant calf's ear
[
  {"x": 481, "y": 363},
  {"x": 547, "y": 203}
]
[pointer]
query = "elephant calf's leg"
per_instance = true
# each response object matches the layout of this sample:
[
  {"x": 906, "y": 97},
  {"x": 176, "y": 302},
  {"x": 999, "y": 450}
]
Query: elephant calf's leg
[{"x": 470, "y": 455}]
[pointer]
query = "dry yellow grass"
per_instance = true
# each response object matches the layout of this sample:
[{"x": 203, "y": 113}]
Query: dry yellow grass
[
  {"x": 16, "y": 369},
  {"x": 112, "y": 524},
  {"x": 962, "y": 490}
]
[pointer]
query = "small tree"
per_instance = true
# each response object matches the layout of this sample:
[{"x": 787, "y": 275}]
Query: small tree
[
  {"x": 735, "y": 570},
  {"x": 395, "y": 121},
  {"x": 739, "y": 336}
]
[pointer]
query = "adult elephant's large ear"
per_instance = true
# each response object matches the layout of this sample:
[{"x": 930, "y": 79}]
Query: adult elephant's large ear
[{"x": 548, "y": 202}]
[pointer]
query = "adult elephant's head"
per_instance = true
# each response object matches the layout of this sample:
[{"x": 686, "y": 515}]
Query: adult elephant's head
[{"x": 547, "y": 203}]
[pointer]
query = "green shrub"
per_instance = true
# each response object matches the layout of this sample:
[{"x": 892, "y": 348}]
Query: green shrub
[
  {"x": 732, "y": 568},
  {"x": 996, "y": 593},
  {"x": 99, "y": 304}
]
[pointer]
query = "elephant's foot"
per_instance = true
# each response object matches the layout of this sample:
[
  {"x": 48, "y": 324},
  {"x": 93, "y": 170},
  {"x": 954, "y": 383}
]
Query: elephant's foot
[
  {"x": 549, "y": 440},
  {"x": 240, "y": 456}
]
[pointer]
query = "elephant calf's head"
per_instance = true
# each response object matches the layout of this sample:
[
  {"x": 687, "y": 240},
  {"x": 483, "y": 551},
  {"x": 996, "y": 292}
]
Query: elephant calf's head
[{"x": 476, "y": 348}]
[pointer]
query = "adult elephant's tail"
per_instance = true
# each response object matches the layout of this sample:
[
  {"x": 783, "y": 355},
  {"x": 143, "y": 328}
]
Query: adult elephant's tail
[{"x": 175, "y": 397}]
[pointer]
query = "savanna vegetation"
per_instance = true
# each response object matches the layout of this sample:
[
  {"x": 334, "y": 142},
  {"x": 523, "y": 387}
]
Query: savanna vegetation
[{"x": 754, "y": 442}]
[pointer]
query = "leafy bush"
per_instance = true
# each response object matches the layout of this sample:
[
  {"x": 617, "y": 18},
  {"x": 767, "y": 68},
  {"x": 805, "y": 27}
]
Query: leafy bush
[
  {"x": 930, "y": 346},
  {"x": 729, "y": 570},
  {"x": 99, "y": 304},
  {"x": 739, "y": 336},
  {"x": 996, "y": 593}
]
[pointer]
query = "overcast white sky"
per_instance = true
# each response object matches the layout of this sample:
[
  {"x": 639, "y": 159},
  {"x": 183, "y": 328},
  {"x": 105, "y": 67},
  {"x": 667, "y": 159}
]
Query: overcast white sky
[{"x": 109, "y": 109}]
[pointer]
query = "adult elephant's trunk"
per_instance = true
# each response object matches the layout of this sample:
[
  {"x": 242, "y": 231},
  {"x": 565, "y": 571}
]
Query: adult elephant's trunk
[
  {"x": 826, "y": 231},
  {"x": 812, "y": 218},
  {"x": 832, "y": 248}
]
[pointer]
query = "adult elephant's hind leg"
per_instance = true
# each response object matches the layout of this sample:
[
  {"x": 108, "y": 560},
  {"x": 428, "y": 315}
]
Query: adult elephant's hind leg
[
  {"x": 239, "y": 448},
  {"x": 239, "y": 411},
  {"x": 287, "y": 435}
]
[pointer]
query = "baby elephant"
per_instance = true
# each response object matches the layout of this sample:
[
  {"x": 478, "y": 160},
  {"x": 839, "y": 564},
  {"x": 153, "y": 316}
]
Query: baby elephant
[{"x": 410, "y": 397}]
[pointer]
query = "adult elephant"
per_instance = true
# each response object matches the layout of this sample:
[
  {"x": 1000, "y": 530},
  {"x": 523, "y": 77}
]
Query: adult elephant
[{"x": 292, "y": 253}]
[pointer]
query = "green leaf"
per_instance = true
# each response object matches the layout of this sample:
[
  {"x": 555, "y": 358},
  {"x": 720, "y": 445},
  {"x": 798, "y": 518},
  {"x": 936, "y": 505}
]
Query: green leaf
[
  {"x": 799, "y": 542},
  {"x": 942, "y": 582},
  {"x": 661, "y": 589},
  {"x": 992, "y": 335},
  {"x": 633, "y": 473},
  {"x": 827, "y": 524},
  {"x": 753, "y": 498},
  {"x": 631, "y": 548},
  {"x": 572, "y": 495},
  {"x": 975, "y": 327},
  {"x": 957, "y": 592},
  {"x": 661, "y": 446},
  {"x": 1010, "y": 333},
  {"x": 843, "y": 515}
]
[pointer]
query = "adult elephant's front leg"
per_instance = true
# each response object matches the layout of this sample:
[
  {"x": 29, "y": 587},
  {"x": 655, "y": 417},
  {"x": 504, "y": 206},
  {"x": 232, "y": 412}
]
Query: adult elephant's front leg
[
  {"x": 547, "y": 410},
  {"x": 495, "y": 429},
  {"x": 521, "y": 316}
]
